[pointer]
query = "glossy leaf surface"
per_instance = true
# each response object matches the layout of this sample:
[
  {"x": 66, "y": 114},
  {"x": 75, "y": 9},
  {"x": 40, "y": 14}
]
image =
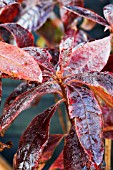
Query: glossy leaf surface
[
  {"x": 87, "y": 113},
  {"x": 88, "y": 14},
  {"x": 6, "y": 8},
  {"x": 22, "y": 102},
  {"x": 22, "y": 36},
  {"x": 74, "y": 155},
  {"x": 35, "y": 14},
  {"x": 36, "y": 134},
  {"x": 53, "y": 141},
  {"x": 108, "y": 13},
  {"x": 17, "y": 63},
  {"x": 58, "y": 163},
  {"x": 42, "y": 56},
  {"x": 92, "y": 56},
  {"x": 67, "y": 16}
]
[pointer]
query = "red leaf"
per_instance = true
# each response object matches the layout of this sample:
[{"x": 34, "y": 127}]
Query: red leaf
[
  {"x": 22, "y": 36},
  {"x": 17, "y": 63},
  {"x": 92, "y": 56},
  {"x": 42, "y": 56},
  {"x": 36, "y": 134},
  {"x": 87, "y": 113},
  {"x": 88, "y": 14},
  {"x": 21, "y": 88},
  {"x": 66, "y": 16},
  {"x": 109, "y": 65},
  {"x": 108, "y": 13},
  {"x": 22, "y": 102},
  {"x": 6, "y": 8},
  {"x": 35, "y": 14},
  {"x": 58, "y": 164},
  {"x": 74, "y": 155},
  {"x": 53, "y": 142}
]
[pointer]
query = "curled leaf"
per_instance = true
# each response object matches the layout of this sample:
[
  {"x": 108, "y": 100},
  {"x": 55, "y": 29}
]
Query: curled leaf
[
  {"x": 88, "y": 14},
  {"x": 17, "y": 63},
  {"x": 22, "y": 102},
  {"x": 36, "y": 134},
  {"x": 6, "y": 8},
  {"x": 22, "y": 36},
  {"x": 86, "y": 112}
]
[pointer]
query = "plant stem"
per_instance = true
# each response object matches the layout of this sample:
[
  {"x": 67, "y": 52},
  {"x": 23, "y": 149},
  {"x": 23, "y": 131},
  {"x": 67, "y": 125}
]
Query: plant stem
[{"x": 108, "y": 154}]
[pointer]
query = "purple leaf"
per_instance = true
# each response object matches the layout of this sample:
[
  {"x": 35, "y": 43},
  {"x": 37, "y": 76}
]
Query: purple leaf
[
  {"x": 47, "y": 153},
  {"x": 74, "y": 155},
  {"x": 108, "y": 13},
  {"x": 91, "y": 56},
  {"x": 21, "y": 35},
  {"x": 6, "y": 8},
  {"x": 35, "y": 14},
  {"x": 67, "y": 16},
  {"x": 22, "y": 102},
  {"x": 88, "y": 14},
  {"x": 17, "y": 63},
  {"x": 36, "y": 134},
  {"x": 42, "y": 56},
  {"x": 88, "y": 121}
]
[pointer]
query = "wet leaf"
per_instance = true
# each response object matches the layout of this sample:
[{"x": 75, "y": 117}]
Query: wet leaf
[
  {"x": 88, "y": 121},
  {"x": 21, "y": 88},
  {"x": 21, "y": 35},
  {"x": 58, "y": 163},
  {"x": 88, "y": 14},
  {"x": 67, "y": 16},
  {"x": 47, "y": 153},
  {"x": 41, "y": 55},
  {"x": 6, "y": 8},
  {"x": 108, "y": 13},
  {"x": 17, "y": 63},
  {"x": 36, "y": 134},
  {"x": 35, "y": 14},
  {"x": 91, "y": 56},
  {"x": 22, "y": 102},
  {"x": 74, "y": 155}
]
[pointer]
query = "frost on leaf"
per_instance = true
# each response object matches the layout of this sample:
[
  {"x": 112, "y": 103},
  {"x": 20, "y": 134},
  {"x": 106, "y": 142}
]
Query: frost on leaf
[
  {"x": 58, "y": 163},
  {"x": 35, "y": 14},
  {"x": 22, "y": 102},
  {"x": 108, "y": 13},
  {"x": 6, "y": 8},
  {"x": 47, "y": 153},
  {"x": 86, "y": 112},
  {"x": 88, "y": 14},
  {"x": 21, "y": 35},
  {"x": 92, "y": 56},
  {"x": 74, "y": 155},
  {"x": 42, "y": 56},
  {"x": 34, "y": 139},
  {"x": 17, "y": 63}
]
